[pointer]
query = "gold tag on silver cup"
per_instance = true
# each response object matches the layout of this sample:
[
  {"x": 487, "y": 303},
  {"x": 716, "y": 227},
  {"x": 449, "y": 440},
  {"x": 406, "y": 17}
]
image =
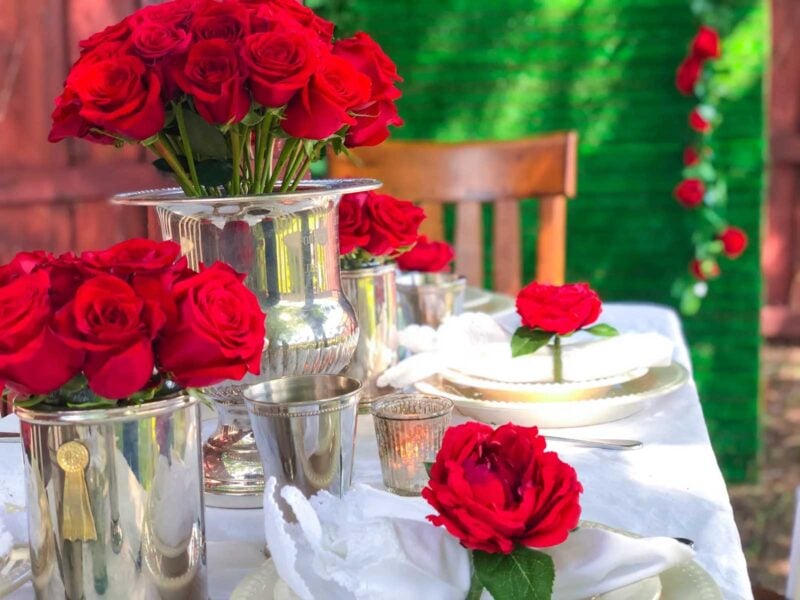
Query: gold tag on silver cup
[{"x": 77, "y": 522}]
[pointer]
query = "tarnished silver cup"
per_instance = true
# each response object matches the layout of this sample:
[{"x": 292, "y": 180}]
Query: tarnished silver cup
[
  {"x": 429, "y": 298},
  {"x": 305, "y": 429}
]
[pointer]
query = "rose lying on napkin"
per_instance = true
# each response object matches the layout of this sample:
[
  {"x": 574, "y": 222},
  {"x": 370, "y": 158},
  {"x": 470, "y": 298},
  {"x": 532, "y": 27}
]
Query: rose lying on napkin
[
  {"x": 497, "y": 492},
  {"x": 475, "y": 344}
]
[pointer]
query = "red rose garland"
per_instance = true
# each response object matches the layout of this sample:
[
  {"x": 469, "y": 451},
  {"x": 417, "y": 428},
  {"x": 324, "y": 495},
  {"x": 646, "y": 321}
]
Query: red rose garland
[{"x": 703, "y": 189}]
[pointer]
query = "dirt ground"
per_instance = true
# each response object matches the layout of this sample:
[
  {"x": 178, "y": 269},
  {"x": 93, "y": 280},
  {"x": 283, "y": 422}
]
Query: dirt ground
[{"x": 765, "y": 510}]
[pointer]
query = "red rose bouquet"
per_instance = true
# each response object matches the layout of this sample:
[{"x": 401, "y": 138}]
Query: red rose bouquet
[
  {"x": 550, "y": 312},
  {"x": 124, "y": 325},
  {"x": 503, "y": 495},
  {"x": 232, "y": 96},
  {"x": 375, "y": 228}
]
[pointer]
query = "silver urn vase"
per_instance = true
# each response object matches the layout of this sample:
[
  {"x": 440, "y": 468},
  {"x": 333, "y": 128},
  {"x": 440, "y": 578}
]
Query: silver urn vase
[
  {"x": 287, "y": 244},
  {"x": 373, "y": 293},
  {"x": 115, "y": 502}
]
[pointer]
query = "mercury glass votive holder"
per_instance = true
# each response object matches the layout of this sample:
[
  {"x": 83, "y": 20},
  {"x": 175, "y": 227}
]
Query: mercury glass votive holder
[{"x": 409, "y": 428}]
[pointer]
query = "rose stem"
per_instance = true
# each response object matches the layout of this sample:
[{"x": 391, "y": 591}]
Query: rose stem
[
  {"x": 475, "y": 585},
  {"x": 558, "y": 368},
  {"x": 187, "y": 147},
  {"x": 294, "y": 163},
  {"x": 162, "y": 151},
  {"x": 288, "y": 148}
]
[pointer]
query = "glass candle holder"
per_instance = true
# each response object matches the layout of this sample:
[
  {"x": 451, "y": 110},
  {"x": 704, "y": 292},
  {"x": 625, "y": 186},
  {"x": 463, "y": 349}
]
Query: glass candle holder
[{"x": 409, "y": 428}]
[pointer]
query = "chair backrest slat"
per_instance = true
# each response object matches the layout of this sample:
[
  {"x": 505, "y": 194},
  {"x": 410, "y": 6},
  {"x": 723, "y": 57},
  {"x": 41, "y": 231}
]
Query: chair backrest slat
[{"x": 469, "y": 242}]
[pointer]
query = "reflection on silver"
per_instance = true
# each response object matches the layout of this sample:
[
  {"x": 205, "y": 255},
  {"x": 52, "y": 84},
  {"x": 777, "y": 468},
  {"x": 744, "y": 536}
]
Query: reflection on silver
[
  {"x": 305, "y": 428},
  {"x": 373, "y": 294},
  {"x": 429, "y": 298},
  {"x": 144, "y": 482},
  {"x": 288, "y": 247}
]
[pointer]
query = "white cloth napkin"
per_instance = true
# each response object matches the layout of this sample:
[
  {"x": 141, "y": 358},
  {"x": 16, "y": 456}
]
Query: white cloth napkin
[
  {"x": 476, "y": 345},
  {"x": 373, "y": 544}
]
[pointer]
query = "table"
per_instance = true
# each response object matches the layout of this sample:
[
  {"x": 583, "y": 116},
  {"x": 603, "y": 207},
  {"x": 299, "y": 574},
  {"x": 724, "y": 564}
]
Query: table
[{"x": 673, "y": 486}]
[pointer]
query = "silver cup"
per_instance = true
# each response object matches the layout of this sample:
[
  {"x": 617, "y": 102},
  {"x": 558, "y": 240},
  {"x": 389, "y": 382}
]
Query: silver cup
[
  {"x": 305, "y": 429},
  {"x": 429, "y": 298}
]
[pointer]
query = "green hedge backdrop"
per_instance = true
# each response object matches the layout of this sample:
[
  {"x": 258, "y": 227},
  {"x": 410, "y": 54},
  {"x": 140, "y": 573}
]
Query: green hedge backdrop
[{"x": 489, "y": 70}]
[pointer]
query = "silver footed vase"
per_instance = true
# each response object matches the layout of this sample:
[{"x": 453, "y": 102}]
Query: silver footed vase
[
  {"x": 287, "y": 244},
  {"x": 373, "y": 293}
]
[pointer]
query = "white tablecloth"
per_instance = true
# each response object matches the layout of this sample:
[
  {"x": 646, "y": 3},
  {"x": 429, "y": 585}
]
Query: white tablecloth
[{"x": 673, "y": 486}]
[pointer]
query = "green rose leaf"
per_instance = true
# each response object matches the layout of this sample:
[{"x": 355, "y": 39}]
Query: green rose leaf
[
  {"x": 525, "y": 573},
  {"x": 214, "y": 172},
  {"x": 428, "y": 467},
  {"x": 205, "y": 139},
  {"x": 603, "y": 330},
  {"x": 526, "y": 340}
]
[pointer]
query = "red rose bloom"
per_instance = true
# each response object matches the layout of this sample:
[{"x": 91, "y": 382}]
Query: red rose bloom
[
  {"x": 176, "y": 14},
  {"x": 214, "y": 20},
  {"x": 394, "y": 224},
  {"x": 153, "y": 40},
  {"x": 559, "y": 309},
  {"x": 426, "y": 255},
  {"x": 698, "y": 122},
  {"x": 734, "y": 241},
  {"x": 267, "y": 12},
  {"x": 354, "y": 225},
  {"x": 33, "y": 360},
  {"x": 322, "y": 107},
  {"x": 690, "y": 192},
  {"x": 690, "y": 156},
  {"x": 498, "y": 489},
  {"x": 219, "y": 330},
  {"x": 704, "y": 270},
  {"x": 688, "y": 75},
  {"x": 706, "y": 44},
  {"x": 212, "y": 75},
  {"x": 119, "y": 95},
  {"x": 279, "y": 63},
  {"x": 135, "y": 255},
  {"x": 115, "y": 327},
  {"x": 113, "y": 33},
  {"x": 372, "y": 124},
  {"x": 368, "y": 58}
]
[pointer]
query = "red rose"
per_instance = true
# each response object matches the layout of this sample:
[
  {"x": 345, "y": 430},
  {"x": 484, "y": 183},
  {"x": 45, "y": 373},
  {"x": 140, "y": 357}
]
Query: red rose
[
  {"x": 67, "y": 273},
  {"x": 280, "y": 63},
  {"x": 704, "y": 270},
  {"x": 706, "y": 44},
  {"x": 690, "y": 156},
  {"x": 698, "y": 122},
  {"x": 559, "y": 309},
  {"x": 115, "y": 327},
  {"x": 734, "y": 241},
  {"x": 368, "y": 58},
  {"x": 212, "y": 75},
  {"x": 119, "y": 95},
  {"x": 372, "y": 124},
  {"x": 688, "y": 75},
  {"x": 171, "y": 14},
  {"x": 354, "y": 226},
  {"x": 267, "y": 12},
  {"x": 135, "y": 255},
  {"x": 394, "y": 224},
  {"x": 498, "y": 489},
  {"x": 113, "y": 33},
  {"x": 426, "y": 255},
  {"x": 218, "y": 333},
  {"x": 214, "y": 20},
  {"x": 690, "y": 192},
  {"x": 321, "y": 108},
  {"x": 33, "y": 360},
  {"x": 153, "y": 40}
]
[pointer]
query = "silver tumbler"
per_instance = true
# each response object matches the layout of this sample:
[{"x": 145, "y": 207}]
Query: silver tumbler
[
  {"x": 115, "y": 503},
  {"x": 429, "y": 298},
  {"x": 305, "y": 429}
]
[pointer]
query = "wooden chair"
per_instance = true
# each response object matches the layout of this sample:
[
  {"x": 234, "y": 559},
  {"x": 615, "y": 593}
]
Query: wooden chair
[{"x": 471, "y": 173}]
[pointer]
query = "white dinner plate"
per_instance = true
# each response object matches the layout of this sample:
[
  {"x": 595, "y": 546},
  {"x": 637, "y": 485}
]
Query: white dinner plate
[
  {"x": 687, "y": 581},
  {"x": 620, "y": 401}
]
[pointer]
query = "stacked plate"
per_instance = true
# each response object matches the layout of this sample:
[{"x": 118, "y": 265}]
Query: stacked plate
[{"x": 570, "y": 404}]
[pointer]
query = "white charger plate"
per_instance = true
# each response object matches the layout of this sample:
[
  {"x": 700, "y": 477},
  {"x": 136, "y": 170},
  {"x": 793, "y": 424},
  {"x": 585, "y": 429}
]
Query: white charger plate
[
  {"x": 619, "y": 401},
  {"x": 687, "y": 581}
]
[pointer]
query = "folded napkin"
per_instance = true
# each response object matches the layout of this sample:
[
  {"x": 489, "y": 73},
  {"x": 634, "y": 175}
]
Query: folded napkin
[
  {"x": 373, "y": 544},
  {"x": 474, "y": 344}
]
